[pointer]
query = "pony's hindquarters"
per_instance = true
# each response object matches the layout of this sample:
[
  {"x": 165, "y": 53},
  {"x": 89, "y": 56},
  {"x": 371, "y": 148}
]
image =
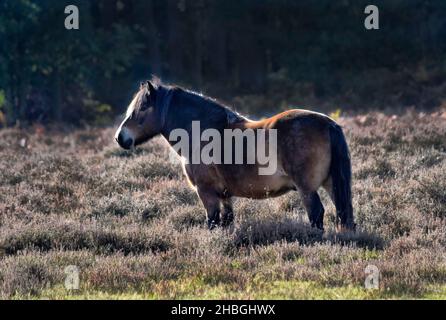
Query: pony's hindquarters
[
  {"x": 305, "y": 155},
  {"x": 314, "y": 153}
]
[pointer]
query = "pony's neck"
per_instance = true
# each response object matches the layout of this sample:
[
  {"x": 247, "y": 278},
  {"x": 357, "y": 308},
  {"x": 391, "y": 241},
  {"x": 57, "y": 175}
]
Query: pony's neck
[
  {"x": 186, "y": 107},
  {"x": 163, "y": 100}
]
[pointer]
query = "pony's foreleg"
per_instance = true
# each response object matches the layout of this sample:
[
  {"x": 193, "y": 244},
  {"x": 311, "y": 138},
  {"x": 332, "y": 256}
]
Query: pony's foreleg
[
  {"x": 228, "y": 213},
  {"x": 212, "y": 205}
]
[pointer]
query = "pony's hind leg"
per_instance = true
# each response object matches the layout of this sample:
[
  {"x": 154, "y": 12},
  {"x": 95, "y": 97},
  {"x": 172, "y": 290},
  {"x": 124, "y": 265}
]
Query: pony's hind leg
[
  {"x": 306, "y": 159},
  {"x": 308, "y": 180},
  {"x": 314, "y": 208},
  {"x": 228, "y": 213}
]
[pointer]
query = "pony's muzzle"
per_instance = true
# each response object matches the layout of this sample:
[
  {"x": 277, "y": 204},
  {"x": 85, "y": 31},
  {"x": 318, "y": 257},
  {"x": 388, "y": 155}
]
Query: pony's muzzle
[{"x": 124, "y": 141}]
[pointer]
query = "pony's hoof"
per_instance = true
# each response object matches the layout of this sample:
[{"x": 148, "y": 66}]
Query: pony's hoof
[
  {"x": 318, "y": 226},
  {"x": 227, "y": 223},
  {"x": 346, "y": 228},
  {"x": 212, "y": 224}
]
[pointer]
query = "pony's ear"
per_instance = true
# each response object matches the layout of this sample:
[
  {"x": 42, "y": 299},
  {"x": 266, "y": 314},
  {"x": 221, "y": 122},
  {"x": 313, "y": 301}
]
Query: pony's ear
[{"x": 151, "y": 87}]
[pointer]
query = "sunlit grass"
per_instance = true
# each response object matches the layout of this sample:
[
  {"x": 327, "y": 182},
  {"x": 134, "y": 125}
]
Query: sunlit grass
[{"x": 276, "y": 290}]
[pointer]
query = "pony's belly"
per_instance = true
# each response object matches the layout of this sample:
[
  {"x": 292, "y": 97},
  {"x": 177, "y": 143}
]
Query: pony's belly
[{"x": 263, "y": 186}]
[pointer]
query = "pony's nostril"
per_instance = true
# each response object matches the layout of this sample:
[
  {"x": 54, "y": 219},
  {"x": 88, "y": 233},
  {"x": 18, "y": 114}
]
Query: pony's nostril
[
  {"x": 127, "y": 144},
  {"x": 124, "y": 143}
]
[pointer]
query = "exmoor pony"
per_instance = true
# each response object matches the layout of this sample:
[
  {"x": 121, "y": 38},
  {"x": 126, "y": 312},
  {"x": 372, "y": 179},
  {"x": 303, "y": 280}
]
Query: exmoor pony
[{"x": 311, "y": 152}]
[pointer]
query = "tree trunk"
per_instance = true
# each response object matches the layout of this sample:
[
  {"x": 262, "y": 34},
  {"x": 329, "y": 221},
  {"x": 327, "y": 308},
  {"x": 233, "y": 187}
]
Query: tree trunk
[{"x": 175, "y": 41}]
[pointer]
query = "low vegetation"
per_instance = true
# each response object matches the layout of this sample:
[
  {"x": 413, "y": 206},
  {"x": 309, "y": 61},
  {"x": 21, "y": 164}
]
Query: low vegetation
[{"x": 134, "y": 229}]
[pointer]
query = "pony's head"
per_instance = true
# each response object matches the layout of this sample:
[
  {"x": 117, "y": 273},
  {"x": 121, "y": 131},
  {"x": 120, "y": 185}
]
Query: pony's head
[{"x": 143, "y": 120}]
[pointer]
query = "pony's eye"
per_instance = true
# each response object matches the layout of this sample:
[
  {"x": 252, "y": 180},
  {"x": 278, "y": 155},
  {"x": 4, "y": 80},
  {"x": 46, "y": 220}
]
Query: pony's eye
[
  {"x": 144, "y": 106},
  {"x": 145, "y": 103}
]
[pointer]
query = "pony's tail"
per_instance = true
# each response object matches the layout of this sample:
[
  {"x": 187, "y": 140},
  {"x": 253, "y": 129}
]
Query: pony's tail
[{"x": 341, "y": 175}]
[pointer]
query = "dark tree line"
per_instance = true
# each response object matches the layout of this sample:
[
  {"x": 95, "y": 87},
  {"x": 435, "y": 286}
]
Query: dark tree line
[{"x": 256, "y": 55}]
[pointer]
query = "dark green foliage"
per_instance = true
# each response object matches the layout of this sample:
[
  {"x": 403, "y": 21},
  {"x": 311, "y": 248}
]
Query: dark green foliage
[
  {"x": 50, "y": 73},
  {"x": 253, "y": 54}
]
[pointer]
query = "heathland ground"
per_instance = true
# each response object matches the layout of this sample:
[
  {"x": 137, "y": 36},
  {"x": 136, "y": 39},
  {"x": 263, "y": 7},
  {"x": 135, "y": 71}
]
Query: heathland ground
[{"x": 134, "y": 229}]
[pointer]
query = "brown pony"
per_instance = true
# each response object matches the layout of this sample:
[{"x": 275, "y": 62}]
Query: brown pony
[{"x": 311, "y": 152}]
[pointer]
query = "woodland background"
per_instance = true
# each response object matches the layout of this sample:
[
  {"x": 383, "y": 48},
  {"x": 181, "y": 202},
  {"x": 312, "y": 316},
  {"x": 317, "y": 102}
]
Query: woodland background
[{"x": 257, "y": 56}]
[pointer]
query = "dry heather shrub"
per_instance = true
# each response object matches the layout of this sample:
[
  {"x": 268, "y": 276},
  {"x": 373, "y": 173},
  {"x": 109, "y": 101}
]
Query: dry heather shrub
[
  {"x": 116, "y": 152},
  {"x": 289, "y": 251},
  {"x": 332, "y": 264},
  {"x": 138, "y": 207},
  {"x": 207, "y": 256},
  {"x": 259, "y": 224},
  {"x": 30, "y": 272},
  {"x": 173, "y": 193},
  {"x": 26, "y": 275},
  {"x": 153, "y": 167},
  {"x": 10, "y": 175},
  {"x": 130, "y": 222},
  {"x": 119, "y": 273},
  {"x": 45, "y": 168},
  {"x": 407, "y": 267},
  {"x": 10, "y": 139},
  {"x": 117, "y": 182},
  {"x": 47, "y": 198},
  {"x": 59, "y": 168},
  {"x": 322, "y": 255},
  {"x": 65, "y": 235},
  {"x": 360, "y": 239},
  {"x": 386, "y": 222},
  {"x": 379, "y": 168},
  {"x": 188, "y": 216},
  {"x": 290, "y": 201},
  {"x": 430, "y": 138},
  {"x": 431, "y": 192},
  {"x": 200, "y": 244},
  {"x": 383, "y": 210}
]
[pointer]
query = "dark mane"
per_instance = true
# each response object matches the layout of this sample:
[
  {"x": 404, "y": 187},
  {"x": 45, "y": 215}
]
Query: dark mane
[
  {"x": 190, "y": 105},
  {"x": 178, "y": 107}
]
